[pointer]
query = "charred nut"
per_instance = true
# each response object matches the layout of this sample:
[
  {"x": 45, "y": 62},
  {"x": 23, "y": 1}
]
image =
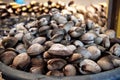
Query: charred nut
[
  {"x": 98, "y": 40},
  {"x": 59, "y": 50},
  {"x": 49, "y": 34},
  {"x": 76, "y": 31},
  {"x": 65, "y": 42},
  {"x": 13, "y": 31},
  {"x": 74, "y": 19},
  {"x": 88, "y": 66},
  {"x": 43, "y": 22},
  {"x": 53, "y": 24},
  {"x": 36, "y": 70},
  {"x": 106, "y": 42},
  {"x": 58, "y": 31},
  {"x": 37, "y": 61},
  {"x": 67, "y": 37},
  {"x": 31, "y": 24},
  {"x": 33, "y": 31},
  {"x": 71, "y": 48},
  {"x": 88, "y": 37},
  {"x": 39, "y": 40},
  {"x": 61, "y": 20},
  {"x": 56, "y": 64},
  {"x": 110, "y": 33},
  {"x": 20, "y": 28},
  {"x": 19, "y": 36},
  {"x": 105, "y": 63},
  {"x": 95, "y": 52},
  {"x": 103, "y": 36},
  {"x": 116, "y": 61},
  {"x": 115, "y": 49},
  {"x": 55, "y": 73},
  {"x": 35, "y": 49},
  {"x": 96, "y": 29},
  {"x": 21, "y": 60},
  {"x": 49, "y": 43},
  {"x": 27, "y": 39},
  {"x": 78, "y": 43},
  {"x": 46, "y": 55},
  {"x": 43, "y": 30},
  {"x": 101, "y": 48},
  {"x": 20, "y": 48},
  {"x": 84, "y": 52},
  {"x": 68, "y": 26},
  {"x": 7, "y": 57},
  {"x": 57, "y": 37},
  {"x": 9, "y": 42},
  {"x": 75, "y": 57},
  {"x": 69, "y": 70},
  {"x": 90, "y": 24}
]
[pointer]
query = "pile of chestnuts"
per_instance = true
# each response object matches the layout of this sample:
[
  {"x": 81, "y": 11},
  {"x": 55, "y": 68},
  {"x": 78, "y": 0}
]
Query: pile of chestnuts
[
  {"x": 12, "y": 13},
  {"x": 68, "y": 42}
]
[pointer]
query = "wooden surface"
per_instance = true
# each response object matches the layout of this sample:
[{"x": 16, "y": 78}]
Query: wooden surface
[
  {"x": 118, "y": 25},
  {"x": 114, "y": 16}
]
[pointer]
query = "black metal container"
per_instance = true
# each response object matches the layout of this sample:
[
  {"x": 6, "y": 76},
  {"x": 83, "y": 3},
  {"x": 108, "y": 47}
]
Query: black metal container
[{"x": 12, "y": 74}]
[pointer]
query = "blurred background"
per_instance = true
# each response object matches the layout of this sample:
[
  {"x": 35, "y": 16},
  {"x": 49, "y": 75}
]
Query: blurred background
[{"x": 80, "y": 2}]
